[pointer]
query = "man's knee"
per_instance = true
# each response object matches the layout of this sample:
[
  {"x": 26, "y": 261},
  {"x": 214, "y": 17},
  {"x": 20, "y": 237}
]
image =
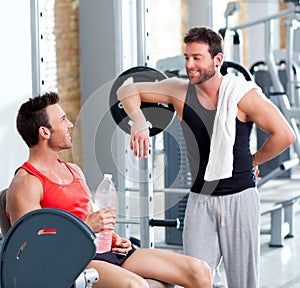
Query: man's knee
[
  {"x": 201, "y": 271},
  {"x": 136, "y": 283}
]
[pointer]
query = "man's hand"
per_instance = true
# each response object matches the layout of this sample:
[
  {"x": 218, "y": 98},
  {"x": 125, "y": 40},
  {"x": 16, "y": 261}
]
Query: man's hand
[
  {"x": 256, "y": 169},
  {"x": 103, "y": 219},
  {"x": 129, "y": 80},
  {"x": 120, "y": 245},
  {"x": 139, "y": 141}
]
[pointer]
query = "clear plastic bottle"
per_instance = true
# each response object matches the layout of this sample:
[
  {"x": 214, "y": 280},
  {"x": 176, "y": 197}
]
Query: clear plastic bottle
[{"x": 105, "y": 196}]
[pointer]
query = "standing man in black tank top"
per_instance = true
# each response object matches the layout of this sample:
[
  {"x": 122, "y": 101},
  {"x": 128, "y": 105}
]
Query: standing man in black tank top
[{"x": 217, "y": 114}]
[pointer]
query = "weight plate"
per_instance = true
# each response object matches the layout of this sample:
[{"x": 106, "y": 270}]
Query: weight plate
[
  {"x": 158, "y": 116},
  {"x": 237, "y": 68}
]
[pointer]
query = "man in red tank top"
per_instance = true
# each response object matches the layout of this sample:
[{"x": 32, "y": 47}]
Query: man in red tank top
[{"x": 45, "y": 181}]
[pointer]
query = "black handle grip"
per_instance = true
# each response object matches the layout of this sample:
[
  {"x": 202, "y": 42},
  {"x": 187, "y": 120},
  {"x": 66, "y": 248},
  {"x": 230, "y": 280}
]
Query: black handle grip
[
  {"x": 165, "y": 223},
  {"x": 135, "y": 241}
]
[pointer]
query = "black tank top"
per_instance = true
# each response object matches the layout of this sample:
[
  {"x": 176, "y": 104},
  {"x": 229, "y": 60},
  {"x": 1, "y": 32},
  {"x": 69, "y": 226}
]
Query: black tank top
[{"x": 197, "y": 125}]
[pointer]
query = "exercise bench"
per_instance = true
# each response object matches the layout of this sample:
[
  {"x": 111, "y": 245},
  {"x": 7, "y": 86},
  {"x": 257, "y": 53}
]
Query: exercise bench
[
  {"x": 287, "y": 198},
  {"x": 278, "y": 228},
  {"x": 41, "y": 250}
]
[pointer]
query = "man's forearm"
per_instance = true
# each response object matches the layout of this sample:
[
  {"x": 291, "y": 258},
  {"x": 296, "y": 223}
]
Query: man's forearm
[
  {"x": 131, "y": 102},
  {"x": 130, "y": 98},
  {"x": 273, "y": 146}
]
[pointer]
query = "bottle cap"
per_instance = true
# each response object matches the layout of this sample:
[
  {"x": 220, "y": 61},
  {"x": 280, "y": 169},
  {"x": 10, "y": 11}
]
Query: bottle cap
[{"x": 109, "y": 176}]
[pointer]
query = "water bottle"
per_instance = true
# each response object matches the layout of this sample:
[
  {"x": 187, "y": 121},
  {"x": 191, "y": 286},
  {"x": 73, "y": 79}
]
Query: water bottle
[{"x": 105, "y": 196}]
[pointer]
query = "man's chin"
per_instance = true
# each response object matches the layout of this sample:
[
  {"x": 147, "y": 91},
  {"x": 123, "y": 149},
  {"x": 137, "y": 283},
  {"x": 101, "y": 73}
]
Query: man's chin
[
  {"x": 193, "y": 80},
  {"x": 196, "y": 81},
  {"x": 68, "y": 146}
]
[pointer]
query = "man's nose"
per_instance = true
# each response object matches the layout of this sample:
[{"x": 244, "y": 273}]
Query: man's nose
[
  {"x": 189, "y": 63},
  {"x": 70, "y": 124}
]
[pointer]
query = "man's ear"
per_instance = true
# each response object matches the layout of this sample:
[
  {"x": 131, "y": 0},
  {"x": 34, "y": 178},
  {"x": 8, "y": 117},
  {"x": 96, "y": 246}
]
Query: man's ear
[
  {"x": 44, "y": 132},
  {"x": 219, "y": 59}
]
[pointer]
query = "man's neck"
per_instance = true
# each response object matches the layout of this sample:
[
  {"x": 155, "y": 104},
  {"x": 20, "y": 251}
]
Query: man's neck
[
  {"x": 48, "y": 164},
  {"x": 43, "y": 160},
  {"x": 208, "y": 92}
]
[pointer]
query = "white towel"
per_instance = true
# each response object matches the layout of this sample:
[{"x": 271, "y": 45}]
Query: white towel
[{"x": 220, "y": 161}]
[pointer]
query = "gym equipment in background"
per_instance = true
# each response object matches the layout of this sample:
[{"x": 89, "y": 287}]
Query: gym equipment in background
[
  {"x": 287, "y": 98},
  {"x": 158, "y": 116}
]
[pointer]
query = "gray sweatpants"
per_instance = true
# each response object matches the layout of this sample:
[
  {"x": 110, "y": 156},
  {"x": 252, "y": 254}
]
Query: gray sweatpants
[{"x": 225, "y": 228}]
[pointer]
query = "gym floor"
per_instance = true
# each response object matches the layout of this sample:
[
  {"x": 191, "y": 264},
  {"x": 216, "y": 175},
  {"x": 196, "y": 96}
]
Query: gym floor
[{"x": 279, "y": 267}]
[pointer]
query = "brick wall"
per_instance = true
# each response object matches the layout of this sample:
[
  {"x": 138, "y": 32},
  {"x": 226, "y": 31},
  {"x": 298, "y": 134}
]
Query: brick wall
[
  {"x": 68, "y": 68},
  {"x": 283, "y": 6}
]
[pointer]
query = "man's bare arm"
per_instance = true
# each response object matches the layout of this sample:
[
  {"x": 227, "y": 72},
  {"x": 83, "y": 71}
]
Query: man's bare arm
[
  {"x": 24, "y": 195},
  {"x": 267, "y": 116},
  {"x": 169, "y": 91}
]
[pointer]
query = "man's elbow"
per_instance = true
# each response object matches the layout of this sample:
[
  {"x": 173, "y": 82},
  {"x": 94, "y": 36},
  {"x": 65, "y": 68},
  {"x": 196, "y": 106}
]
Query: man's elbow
[
  {"x": 119, "y": 93},
  {"x": 290, "y": 138}
]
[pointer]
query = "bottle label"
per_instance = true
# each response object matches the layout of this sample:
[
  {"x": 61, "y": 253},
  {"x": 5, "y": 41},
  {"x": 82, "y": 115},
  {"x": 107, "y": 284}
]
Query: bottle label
[{"x": 103, "y": 241}]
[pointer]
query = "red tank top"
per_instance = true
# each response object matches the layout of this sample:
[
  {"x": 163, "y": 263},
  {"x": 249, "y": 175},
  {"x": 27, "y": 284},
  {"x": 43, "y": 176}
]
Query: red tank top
[{"x": 73, "y": 197}]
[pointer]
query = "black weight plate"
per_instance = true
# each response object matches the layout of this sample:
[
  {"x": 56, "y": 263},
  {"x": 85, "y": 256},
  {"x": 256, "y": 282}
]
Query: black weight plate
[
  {"x": 236, "y": 66},
  {"x": 158, "y": 115}
]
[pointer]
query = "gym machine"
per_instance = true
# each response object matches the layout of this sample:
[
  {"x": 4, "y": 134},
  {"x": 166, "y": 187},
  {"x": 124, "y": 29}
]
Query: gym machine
[
  {"x": 158, "y": 117},
  {"x": 56, "y": 235},
  {"x": 285, "y": 98}
]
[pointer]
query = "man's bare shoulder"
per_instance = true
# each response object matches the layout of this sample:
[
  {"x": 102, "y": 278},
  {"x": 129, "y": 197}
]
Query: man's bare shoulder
[
  {"x": 78, "y": 169},
  {"x": 166, "y": 86},
  {"x": 74, "y": 166},
  {"x": 24, "y": 194},
  {"x": 175, "y": 88},
  {"x": 24, "y": 181},
  {"x": 254, "y": 100},
  {"x": 175, "y": 82}
]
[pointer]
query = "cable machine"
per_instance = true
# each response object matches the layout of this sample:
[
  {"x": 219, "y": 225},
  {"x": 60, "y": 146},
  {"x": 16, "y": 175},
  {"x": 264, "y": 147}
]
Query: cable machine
[{"x": 286, "y": 97}]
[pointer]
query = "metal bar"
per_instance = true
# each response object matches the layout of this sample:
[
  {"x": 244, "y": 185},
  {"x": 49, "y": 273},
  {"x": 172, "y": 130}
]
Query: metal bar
[
  {"x": 277, "y": 217},
  {"x": 269, "y": 56},
  {"x": 273, "y": 174},
  {"x": 286, "y": 165},
  {"x": 35, "y": 47},
  {"x": 289, "y": 218},
  {"x": 141, "y": 32},
  {"x": 123, "y": 199},
  {"x": 262, "y": 20},
  {"x": 146, "y": 202},
  {"x": 285, "y": 107},
  {"x": 166, "y": 190},
  {"x": 209, "y": 9},
  {"x": 118, "y": 36},
  {"x": 127, "y": 221},
  {"x": 289, "y": 61}
]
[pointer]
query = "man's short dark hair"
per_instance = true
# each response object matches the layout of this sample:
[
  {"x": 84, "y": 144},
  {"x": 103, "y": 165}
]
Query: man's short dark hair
[
  {"x": 32, "y": 115},
  {"x": 208, "y": 36}
]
